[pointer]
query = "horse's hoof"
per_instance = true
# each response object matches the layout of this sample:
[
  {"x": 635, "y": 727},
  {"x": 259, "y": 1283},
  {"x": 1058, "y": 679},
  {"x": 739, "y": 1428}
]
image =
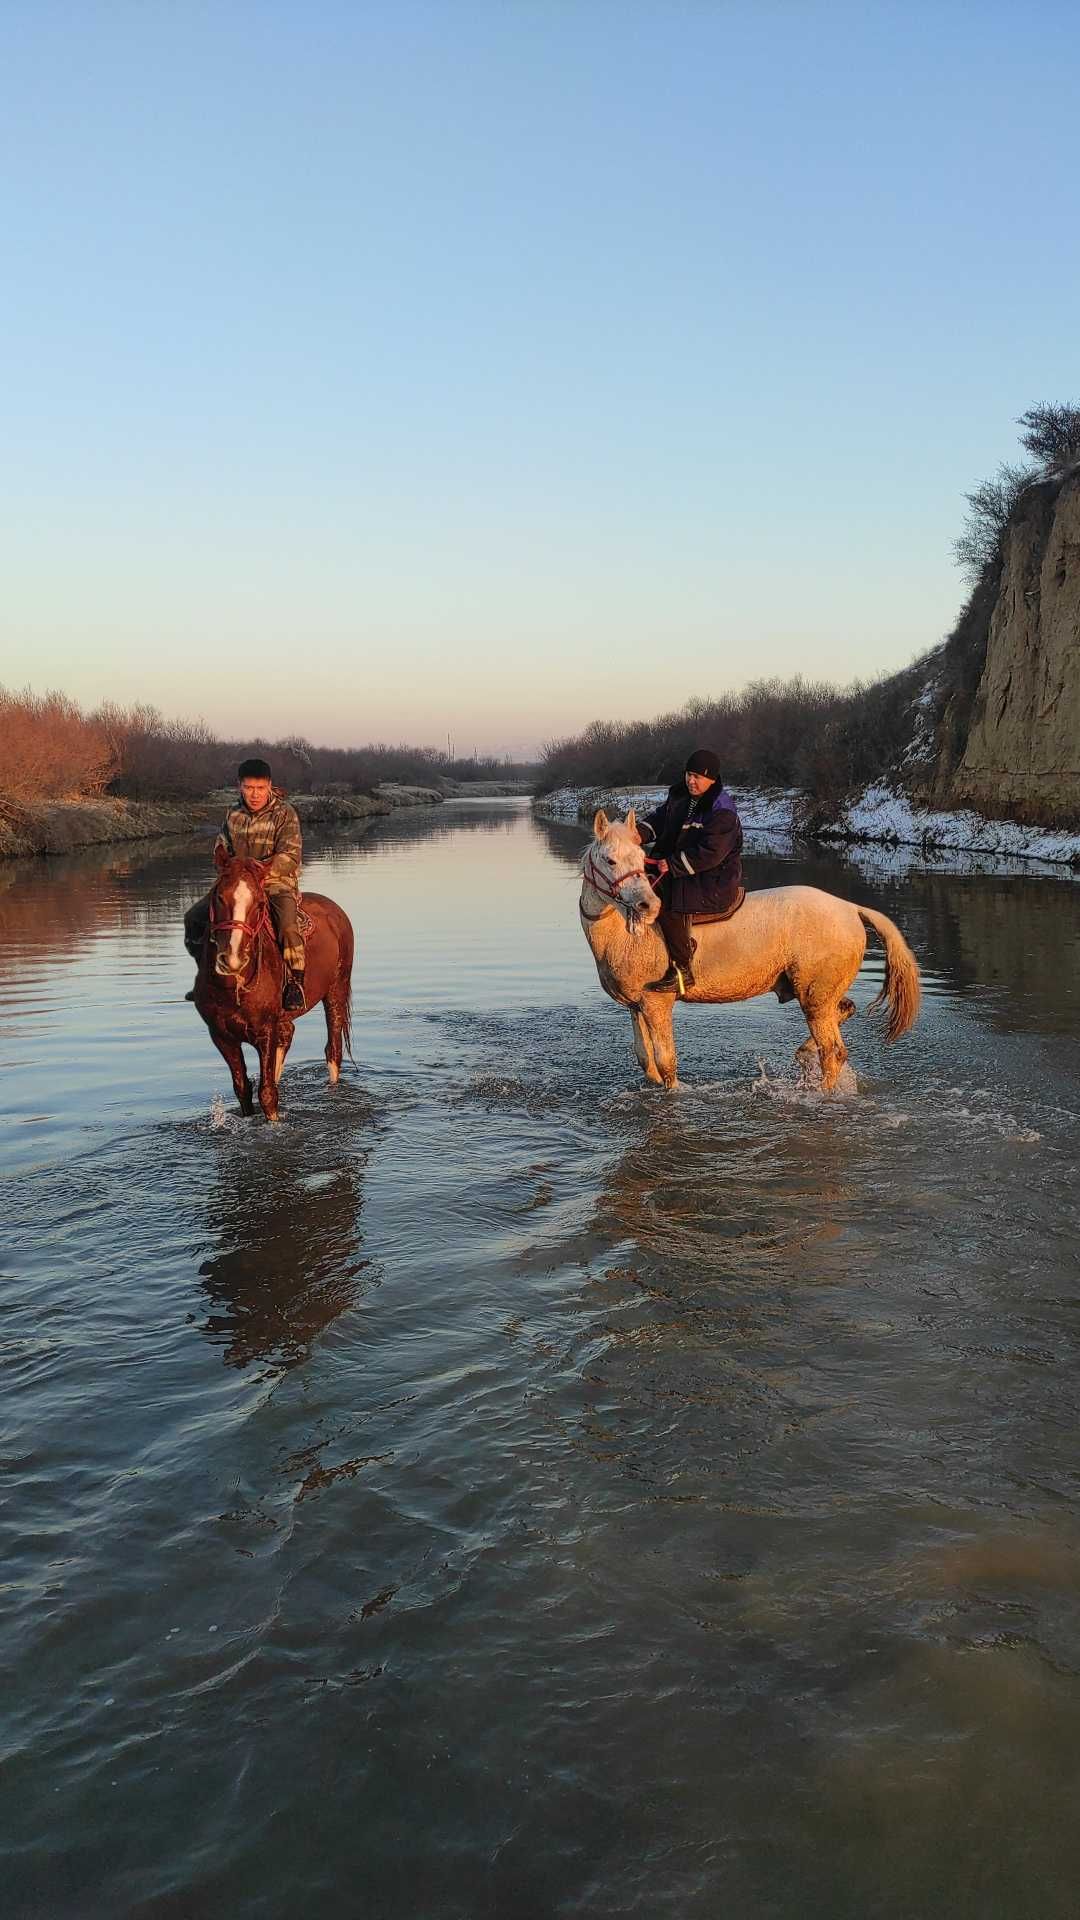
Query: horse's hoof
[{"x": 333, "y": 1072}]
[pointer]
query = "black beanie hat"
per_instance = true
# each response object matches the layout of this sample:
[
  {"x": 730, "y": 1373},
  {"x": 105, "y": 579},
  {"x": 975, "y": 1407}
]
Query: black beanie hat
[
  {"x": 704, "y": 761},
  {"x": 254, "y": 770}
]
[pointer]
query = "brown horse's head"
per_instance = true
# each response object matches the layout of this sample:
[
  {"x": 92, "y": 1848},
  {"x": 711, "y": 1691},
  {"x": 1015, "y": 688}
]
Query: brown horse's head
[{"x": 238, "y": 913}]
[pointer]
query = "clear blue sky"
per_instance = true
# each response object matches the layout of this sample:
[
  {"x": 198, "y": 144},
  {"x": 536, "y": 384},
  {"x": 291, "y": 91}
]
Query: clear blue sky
[{"x": 374, "y": 371}]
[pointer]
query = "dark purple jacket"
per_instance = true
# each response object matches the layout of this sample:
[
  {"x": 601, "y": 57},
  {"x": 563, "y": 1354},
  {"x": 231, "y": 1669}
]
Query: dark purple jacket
[{"x": 701, "y": 840}]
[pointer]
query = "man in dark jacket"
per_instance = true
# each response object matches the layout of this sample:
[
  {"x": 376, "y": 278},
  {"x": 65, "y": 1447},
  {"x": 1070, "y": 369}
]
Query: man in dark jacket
[
  {"x": 262, "y": 826},
  {"x": 696, "y": 840}
]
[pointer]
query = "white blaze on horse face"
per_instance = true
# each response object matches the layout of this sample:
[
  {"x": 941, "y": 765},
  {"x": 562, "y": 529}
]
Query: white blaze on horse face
[{"x": 243, "y": 899}]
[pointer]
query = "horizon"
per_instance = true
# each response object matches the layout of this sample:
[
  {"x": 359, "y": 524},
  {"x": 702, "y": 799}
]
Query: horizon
[{"x": 485, "y": 372}]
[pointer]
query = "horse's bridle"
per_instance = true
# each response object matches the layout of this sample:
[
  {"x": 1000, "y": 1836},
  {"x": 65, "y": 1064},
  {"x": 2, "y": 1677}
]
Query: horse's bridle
[
  {"x": 254, "y": 928},
  {"x": 606, "y": 885},
  {"x": 216, "y": 926}
]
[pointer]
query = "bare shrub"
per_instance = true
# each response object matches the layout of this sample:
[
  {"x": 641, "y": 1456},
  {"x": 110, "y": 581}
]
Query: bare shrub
[
  {"x": 52, "y": 750},
  {"x": 159, "y": 759},
  {"x": 759, "y": 735},
  {"x": 863, "y": 735}
]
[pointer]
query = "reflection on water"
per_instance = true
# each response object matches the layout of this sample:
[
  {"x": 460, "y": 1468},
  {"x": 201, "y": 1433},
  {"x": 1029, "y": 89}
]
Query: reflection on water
[
  {"x": 51, "y": 911},
  {"x": 287, "y": 1257},
  {"x": 506, "y": 1490}
]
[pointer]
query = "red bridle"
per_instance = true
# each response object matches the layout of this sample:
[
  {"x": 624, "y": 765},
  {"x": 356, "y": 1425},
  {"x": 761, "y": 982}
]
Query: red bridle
[
  {"x": 607, "y": 885},
  {"x": 220, "y": 925}
]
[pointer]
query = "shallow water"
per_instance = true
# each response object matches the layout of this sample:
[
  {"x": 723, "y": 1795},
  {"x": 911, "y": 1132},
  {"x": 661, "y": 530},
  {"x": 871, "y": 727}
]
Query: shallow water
[{"x": 505, "y": 1489}]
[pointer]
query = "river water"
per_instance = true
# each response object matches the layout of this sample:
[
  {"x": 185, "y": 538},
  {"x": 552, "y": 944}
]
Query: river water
[{"x": 504, "y": 1489}]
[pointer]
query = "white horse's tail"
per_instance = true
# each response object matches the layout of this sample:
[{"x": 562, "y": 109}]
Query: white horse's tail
[{"x": 901, "y": 986}]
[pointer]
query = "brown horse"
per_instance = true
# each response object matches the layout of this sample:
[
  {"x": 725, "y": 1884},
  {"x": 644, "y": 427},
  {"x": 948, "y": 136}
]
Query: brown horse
[{"x": 239, "y": 982}]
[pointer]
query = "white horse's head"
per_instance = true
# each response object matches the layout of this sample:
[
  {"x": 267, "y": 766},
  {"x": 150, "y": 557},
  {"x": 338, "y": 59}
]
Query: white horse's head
[{"x": 614, "y": 867}]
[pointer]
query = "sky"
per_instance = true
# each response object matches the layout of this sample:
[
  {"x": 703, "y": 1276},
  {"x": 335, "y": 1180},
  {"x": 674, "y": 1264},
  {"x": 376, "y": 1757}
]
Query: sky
[{"x": 483, "y": 367}]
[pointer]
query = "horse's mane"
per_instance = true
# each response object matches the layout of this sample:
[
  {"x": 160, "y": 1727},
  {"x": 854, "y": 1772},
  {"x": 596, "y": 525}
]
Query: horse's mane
[{"x": 239, "y": 868}]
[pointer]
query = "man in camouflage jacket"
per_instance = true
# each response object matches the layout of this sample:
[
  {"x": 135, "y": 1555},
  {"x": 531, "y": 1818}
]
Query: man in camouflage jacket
[{"x": 262, "y": 826}]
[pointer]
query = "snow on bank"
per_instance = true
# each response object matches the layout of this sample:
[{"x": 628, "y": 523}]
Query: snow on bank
[
  {"x": 879, "y": 817},
  {"x": 761, "y": 810},
  {"x": 888, "y": 818}
]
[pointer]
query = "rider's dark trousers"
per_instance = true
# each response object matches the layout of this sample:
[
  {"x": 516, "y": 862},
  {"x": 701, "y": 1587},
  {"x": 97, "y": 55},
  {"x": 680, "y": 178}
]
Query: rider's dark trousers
[
  {"x": 282, "y": 913},
  {"x": 675, "y": 928}
]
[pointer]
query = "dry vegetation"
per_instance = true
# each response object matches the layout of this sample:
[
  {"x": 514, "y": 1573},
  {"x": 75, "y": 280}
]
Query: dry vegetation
[
  {"x": 53, "y": 750},
  {"x": 825, "y": 740}
]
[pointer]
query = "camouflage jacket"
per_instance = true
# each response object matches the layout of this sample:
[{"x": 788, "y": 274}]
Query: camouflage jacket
[{"x": 273, "y": 835}]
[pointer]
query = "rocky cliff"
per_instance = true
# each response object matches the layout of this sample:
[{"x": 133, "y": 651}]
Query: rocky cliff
[{"x": 1023, "y": 746}]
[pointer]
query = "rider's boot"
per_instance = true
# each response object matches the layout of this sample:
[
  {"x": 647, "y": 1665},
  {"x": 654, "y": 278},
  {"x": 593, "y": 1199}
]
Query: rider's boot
[
  {"x": 292, "y": 992},
  {"x": 675, "y": 928},
  {"x": 675, "y": 980}
]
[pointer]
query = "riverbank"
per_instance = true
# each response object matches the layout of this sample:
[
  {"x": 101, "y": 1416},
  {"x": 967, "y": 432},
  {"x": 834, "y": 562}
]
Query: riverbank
[
  {"x": 57, "y": 827},
  {"x": 64, "y": 826},
  {"x": 879, "y": 817}
]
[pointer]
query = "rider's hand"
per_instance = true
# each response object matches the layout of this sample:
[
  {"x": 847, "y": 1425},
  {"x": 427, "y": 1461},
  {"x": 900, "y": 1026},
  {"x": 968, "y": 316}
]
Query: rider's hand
[{"x": 661, "y": 869}]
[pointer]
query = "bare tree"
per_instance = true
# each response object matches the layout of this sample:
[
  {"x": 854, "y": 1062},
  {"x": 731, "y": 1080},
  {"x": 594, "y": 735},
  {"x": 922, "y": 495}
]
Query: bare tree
[
  {"x": 1052, "y": 435},
  {"x": 989, "y": 508}
]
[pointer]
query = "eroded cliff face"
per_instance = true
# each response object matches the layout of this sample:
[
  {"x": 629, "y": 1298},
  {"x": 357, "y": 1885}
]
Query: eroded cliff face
[{"x": 1023, "y": 746}]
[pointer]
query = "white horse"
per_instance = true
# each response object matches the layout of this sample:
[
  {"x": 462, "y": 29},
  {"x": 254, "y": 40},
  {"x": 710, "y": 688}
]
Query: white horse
[{"x": 796, "y": 942}]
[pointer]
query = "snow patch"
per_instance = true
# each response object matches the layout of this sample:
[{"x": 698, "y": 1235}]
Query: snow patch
[{"x": 882, "y": 816}]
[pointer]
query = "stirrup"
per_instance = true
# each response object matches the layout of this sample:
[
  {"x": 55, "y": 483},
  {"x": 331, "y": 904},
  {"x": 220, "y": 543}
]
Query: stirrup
[{"x": 292, "y": 995}]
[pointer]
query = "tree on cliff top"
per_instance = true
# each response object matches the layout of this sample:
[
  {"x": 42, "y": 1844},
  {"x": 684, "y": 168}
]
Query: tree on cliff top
[
  {"x": 989, "y": 508},
  {"x": 1052, "y": 435}
]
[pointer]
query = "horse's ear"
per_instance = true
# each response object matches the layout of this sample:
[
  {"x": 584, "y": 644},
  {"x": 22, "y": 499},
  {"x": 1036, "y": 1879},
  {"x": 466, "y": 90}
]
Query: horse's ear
[
  {"x": 631, "y": 820},
  {"x": 221, "y": 856},
  {"x": 600, "y": 824}
]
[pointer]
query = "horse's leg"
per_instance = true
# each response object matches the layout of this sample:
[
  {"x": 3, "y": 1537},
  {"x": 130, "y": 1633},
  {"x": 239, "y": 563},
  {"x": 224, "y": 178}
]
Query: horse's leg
[
  {"x": 656, "y": 1012},
  {"x": 643, "y": 1048},
  {"x": 824, "y": 1025},
  {"x": 285, "y": 1032},
  {"x": 233, "y": 1055},
  {"x": 269, "y": 1046}
]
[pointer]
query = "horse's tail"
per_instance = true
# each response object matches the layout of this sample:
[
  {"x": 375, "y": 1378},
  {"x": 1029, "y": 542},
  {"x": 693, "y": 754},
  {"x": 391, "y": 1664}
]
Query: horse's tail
[
  {"x": 900, "y": 986},
  {"x": 346, "y": 1027}
]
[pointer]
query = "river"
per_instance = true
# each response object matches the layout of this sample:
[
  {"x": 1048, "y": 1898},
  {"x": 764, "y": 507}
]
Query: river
[{"x": 504, "y": 1489}]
